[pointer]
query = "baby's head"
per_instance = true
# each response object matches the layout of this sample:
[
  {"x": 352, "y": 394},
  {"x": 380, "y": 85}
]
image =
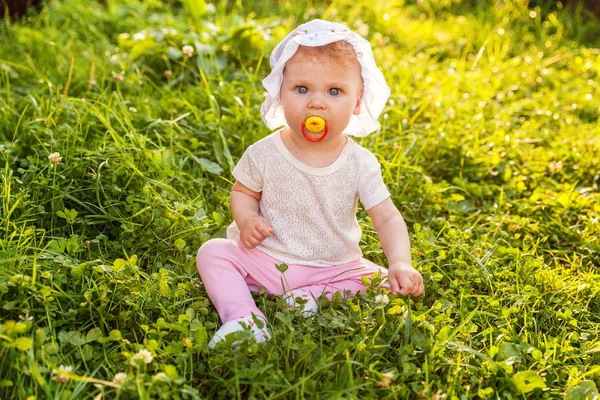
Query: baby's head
[
  {"x": 325, "y": 53},
  {"x": 321, "y": 90}
]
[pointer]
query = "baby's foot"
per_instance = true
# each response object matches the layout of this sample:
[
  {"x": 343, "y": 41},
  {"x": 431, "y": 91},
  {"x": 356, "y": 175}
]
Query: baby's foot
[
  {"x": 249, "y": 321},
  {"x": 309, "y": 308}
]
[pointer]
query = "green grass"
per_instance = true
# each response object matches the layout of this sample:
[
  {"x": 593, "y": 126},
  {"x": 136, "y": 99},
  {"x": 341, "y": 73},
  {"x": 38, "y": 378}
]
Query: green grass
[{"x": 489, "y": 146}]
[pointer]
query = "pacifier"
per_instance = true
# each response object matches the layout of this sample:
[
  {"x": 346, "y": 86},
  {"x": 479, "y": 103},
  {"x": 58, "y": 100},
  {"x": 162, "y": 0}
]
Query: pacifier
[{"x": 314, "y": 124}]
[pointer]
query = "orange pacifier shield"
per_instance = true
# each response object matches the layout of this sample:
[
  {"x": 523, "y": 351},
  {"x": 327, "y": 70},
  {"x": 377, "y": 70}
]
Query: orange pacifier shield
[{"x": 314, "y": 124}]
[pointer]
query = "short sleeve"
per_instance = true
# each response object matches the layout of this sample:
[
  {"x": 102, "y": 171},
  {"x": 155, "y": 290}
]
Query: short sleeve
[
  {"x": 371, "y": 189},
  {"x": 247, "y": 171}
]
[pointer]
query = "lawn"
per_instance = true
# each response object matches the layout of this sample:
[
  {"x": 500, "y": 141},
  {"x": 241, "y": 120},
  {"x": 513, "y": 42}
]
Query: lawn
[{"x": 116, "y": 151}]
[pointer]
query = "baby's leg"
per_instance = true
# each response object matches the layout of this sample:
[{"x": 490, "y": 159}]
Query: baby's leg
[
  {"x": 229, "y": 271},
  {"x": 339, "y": 278}
]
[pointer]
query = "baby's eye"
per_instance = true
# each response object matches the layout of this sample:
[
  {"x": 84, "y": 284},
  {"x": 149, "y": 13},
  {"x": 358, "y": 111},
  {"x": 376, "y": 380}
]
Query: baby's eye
[
  {"x": 334, "y": 91},
  {"x": 302, "y": 89}
]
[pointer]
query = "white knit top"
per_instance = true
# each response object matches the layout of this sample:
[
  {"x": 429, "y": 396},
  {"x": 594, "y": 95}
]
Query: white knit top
[{"x": 312, "y": 210}]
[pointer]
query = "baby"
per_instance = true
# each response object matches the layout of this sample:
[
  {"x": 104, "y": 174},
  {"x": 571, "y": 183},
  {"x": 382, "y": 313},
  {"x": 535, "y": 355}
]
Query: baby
[{"x": 295, "y": 197}]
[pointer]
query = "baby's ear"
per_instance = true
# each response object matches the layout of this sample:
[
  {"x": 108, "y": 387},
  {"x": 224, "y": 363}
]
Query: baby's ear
[{"x": 357, "y": 107}]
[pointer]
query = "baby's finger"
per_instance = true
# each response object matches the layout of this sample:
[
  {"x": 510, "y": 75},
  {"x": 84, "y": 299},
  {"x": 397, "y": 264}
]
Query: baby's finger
[
  {"x": 265, "y": 229},
  {"x": 394, "y": 284},
  {"x": 417, "y": 286},
  {"x": 250, "y": 241},
  {"x": 406, "y": 285},
  {"x": 415, "y": 290},
  {"x": 257, "y": 237},
  {"x": 269, "y": 226},
  {"x": 248, "y": 244}
]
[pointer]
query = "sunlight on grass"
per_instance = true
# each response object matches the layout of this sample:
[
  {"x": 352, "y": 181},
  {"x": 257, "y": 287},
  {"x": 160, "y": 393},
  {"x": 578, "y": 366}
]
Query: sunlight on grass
[{"x": 120, "y": 124}]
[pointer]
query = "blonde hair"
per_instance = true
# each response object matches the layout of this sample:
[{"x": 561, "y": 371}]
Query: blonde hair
[{"x": 341, "y": 53}]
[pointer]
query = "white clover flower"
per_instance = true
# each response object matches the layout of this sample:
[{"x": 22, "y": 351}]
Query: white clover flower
[
  {"x": 54, "y": 158},
  {"x": 26, "y": 317},
  {"x": 386, "y": 379},
  {"x": 187, "y": 51},
  {"x": 169, "y": 31},
  {"x": 59, "y": 374},
  {"x": 143, "y": 355},
  {"x": 168, "y": 73},
  {"x": 382, "y": 299},
  {"x": 139, "y": 36},
  {"x": 161, "y": 376},
  {"x": 118, "y": 77},
  {"x": 555, "y": 166},
  {"x": 120, "y": 378}
]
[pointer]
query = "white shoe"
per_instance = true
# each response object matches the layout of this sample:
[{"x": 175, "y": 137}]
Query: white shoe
[
  {"x": 248, "y": 322},
  {"x": 309, "y": 308}
]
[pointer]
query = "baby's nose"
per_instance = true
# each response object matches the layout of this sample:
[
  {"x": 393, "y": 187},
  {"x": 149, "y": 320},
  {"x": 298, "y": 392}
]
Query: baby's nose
[{"x": 316, "y": 103}]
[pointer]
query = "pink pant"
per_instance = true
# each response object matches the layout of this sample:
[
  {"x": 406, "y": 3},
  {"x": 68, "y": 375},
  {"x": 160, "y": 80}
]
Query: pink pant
[{"x": 230, "y": 271}]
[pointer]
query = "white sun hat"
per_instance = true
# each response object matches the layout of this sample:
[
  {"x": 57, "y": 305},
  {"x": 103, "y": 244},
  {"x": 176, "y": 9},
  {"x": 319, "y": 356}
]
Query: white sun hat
[{"x": 319, "y": 33}]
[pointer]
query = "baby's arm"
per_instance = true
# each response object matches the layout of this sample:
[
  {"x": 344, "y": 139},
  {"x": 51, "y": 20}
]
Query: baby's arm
[
  {"x": 244, "y": 207},
  {"x": 393, "y": 236}
]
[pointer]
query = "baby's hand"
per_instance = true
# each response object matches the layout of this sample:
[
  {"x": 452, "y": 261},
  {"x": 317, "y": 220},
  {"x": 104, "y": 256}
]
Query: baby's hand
[
  {"x": 255, "y": 231},
  {"x": 404, "y": 279}
]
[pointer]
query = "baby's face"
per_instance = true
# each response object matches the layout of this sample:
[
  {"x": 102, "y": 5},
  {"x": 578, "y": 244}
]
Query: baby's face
[{"x": 313, "y": 84}]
